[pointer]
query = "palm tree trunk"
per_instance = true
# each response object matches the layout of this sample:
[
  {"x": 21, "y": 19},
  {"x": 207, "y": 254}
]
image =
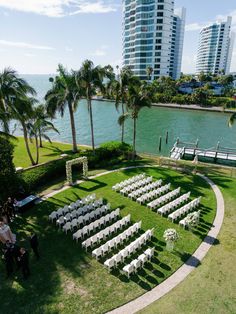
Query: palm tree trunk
[
  {"x": 27, "y": 144},
  {"x": 37, "y": 150},
  {"x": 134, "y": 140},
  {"x": 123, "y": 124},
  {"x": 72, "y": 123},
  {"x": 40, "y": 140},
  {"x": 91, "y": 120}
]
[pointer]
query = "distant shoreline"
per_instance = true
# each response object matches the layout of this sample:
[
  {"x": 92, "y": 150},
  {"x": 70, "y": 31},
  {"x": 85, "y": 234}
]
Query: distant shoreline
[{"x": 189, "y": 107}]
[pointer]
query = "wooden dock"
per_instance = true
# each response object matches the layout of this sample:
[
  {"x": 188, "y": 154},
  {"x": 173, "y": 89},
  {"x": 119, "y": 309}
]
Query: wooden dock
[{"x": 182, "y": 150}]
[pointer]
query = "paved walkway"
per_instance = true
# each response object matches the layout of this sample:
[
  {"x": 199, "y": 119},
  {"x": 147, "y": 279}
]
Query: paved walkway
[{"x": 171, "y": 282}]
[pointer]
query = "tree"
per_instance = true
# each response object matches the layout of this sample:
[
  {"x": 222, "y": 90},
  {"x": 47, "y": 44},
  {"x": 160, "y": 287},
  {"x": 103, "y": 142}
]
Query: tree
[
  {"x": 37, "y": 128},
  {"x": 42, "y": 123},
  {"x": 90, "y": 78},
  {"x": 138, "y": 97},
  {"x": 149, "y": 72},
  {"x": 201, "y": 95},
  {"x": 12, "y": 87},
  {"x": 204, "y": 77},
  {"x": 22, "y": 111},
  {"x": 120, "y": 89},
  {"x": 64, "y": 93},
  {"x": 232, "y": 120},
  {"x": 8, "y": 178}
]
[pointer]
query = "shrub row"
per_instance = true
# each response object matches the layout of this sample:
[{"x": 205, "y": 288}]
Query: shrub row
[
  {"x": 106, "y": 155},
  {"x": 225, "y": 102}
]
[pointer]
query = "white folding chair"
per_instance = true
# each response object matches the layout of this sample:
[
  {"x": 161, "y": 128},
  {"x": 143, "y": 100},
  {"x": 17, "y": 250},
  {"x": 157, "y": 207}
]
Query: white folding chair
[
  {"x": 128, "y": 270},
  {"x": 66, "y": 227}
]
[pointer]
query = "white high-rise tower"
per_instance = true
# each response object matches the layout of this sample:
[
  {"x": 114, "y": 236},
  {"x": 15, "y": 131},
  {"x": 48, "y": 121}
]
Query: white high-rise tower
[
  {"x": 215, "y": 48},
  {"x": 153, "y": 37}
]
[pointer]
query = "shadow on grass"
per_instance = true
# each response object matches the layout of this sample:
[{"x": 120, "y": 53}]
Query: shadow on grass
[{"x": 45, "y": 280}]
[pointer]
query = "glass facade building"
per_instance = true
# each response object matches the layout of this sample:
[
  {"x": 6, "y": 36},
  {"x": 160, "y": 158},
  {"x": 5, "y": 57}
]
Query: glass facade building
[
  {"x": 153, "y": 37},
  {"x": 215, "y": 48}
]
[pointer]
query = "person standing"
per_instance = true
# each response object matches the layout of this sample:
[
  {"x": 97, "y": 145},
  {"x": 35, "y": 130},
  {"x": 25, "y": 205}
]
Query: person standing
[
  {"x": 8, "y": 257},
  {"x": 24, "y": 262},
  {"x": 34, "y": 244}
]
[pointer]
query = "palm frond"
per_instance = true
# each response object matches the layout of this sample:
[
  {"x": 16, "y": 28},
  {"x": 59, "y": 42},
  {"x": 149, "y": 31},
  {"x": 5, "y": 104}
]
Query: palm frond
[{"x": 232, "y": 120}]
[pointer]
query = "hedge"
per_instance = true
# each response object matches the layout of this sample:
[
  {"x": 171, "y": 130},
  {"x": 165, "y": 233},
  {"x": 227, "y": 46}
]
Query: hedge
[
  {"x": 106, "y": 155},
  {"x": 8, "y": 179}
]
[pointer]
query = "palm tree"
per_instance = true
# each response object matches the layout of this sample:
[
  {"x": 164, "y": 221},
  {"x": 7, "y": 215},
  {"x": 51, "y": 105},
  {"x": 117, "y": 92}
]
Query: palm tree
[
  {"x": 149, "y": 72},
  {"x": 90, "y": 78},
  {"x": 38, "y": 127},
  {"x": 64, "y": 92},
  {"x": 43, "y": 124},
  {"x": 12, "y": 87},
  {"x": 232, "y": 120},
  {"x": 22, "y": 111},
  {"x": 138, "y": 97},
  {"x": 120, "y": 89}
]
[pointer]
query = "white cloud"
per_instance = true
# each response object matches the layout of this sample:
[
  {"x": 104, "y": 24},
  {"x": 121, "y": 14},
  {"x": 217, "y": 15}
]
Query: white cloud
[
  {"x": 224, "y": 17},
  {"x": 194, "y": 27},
  {"x": 218, "y": 18},
  {"x": 100, "y": 52},
  {"x": 23, "y": 45},
  {"x": 59, "y": 8}
]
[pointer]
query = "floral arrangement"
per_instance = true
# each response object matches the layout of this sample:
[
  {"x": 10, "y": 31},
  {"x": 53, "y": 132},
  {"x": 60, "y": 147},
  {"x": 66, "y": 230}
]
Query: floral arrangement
[
  {"x": 76, "y": 161},
  {"x": 171, "y": 235},
  {"x": 192, "y": 220}
]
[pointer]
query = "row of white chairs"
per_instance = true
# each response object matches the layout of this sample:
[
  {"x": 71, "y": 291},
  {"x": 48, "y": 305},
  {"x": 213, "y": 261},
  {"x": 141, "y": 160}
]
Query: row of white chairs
[
  {"x": 147, "y": 188},
  {"x": 91, "y": 198},
  {"x": 149, "y": 196},
  {"x": 128, "y": 250},
  {"x": 139, "y": 262},
  {"x": 85, "y": 210},
  {"x": 128, "y": 189},
  {"x": 129, "y": 181},
  {"x": 163, "y": 199},
  {"x": 166, "y": 209},
  {"x": 81, "y": 233},
  {"x": 93, "y": 225},
  {"x": 119, "y": 239},
  {"x": 185, "y": 209},
  {"x": 103, "y": 234},
  {"x": 84, "y": 219},
  {"x": 73, "y": 208}
]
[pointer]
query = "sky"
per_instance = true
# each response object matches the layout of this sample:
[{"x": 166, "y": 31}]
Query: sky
[{"x": 36, "y": 35}]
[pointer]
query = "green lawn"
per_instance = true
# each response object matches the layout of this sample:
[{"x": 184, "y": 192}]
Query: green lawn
[
  {"x": 69, "y": 280},
  {"x": 47, "y": 153},
  {"x": 211, "y": 288}
]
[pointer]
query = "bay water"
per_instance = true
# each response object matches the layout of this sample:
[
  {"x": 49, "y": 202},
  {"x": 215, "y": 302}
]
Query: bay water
[{"x": 188, "y": 125}]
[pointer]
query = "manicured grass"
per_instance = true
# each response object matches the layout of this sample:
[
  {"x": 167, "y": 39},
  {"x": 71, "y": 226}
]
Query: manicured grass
[
  {"x": 47, "y": 153},
  {"x": 69, "y": 280},
  {"x": 211, "y": 288}
]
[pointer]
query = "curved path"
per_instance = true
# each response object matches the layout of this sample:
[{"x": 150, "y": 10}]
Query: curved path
[{"x": 171, "y": 282}]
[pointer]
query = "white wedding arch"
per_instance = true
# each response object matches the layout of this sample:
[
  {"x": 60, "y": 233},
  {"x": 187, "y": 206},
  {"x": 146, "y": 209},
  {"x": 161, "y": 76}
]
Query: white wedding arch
[{"x": 76, "y": 161}]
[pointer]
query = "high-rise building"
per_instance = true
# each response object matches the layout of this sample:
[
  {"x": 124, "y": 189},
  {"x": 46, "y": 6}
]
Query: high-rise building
[
  {"x": 215, "y": 48},
  {"x": 153, "y": 37}
]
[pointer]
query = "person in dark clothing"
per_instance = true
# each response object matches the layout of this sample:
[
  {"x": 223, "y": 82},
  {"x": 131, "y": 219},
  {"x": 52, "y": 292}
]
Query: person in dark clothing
[
  {"x": 16, "y": 255},
  {"x": 34, "y": 244},
  {"x": 8, "y": 257},
  {"x": 24, "y": 262}
]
